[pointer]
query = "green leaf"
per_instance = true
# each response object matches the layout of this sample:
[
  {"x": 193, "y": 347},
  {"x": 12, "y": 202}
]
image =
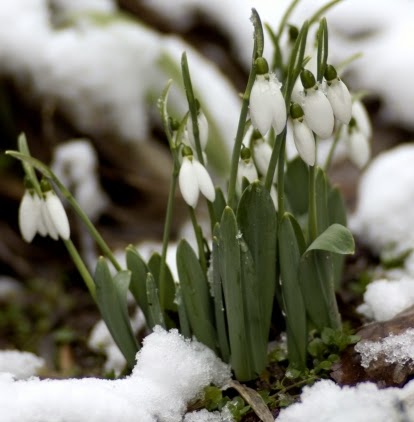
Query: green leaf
[
  {"x": 258, "y": 34},
  {"x": 219, "y": 308},
  {"x": 139, "y": 271},
  {"x": 185, "y": 329},
  {"x": 257, "y": 222},
  {"x": 321, "y": 194},
  {"x": 289, "y": 258},
  {"x": 296, "y": 186},
  {"x": 336, "y": 238},
  {"x": 230, "y": 271},
  {"x": 196, "y": 295},
  {"x": 111, "y": 296},
  {"x": 156, "y": 316},
  {"x": 219, "y": 204},
  {"x": 154, "y": 265}
]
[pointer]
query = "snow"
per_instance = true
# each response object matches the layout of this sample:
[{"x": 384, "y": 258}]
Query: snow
[
  {"x": 384, "y": 215},
  {"x": 397, "y": 349},
  {"x": 170, "y": 371},
  {"x": 326, "y": 401},
  {"x": 20, "y": 365},
  {"x": 384, "y": 298},
  {"x": 205, "y": 416}
]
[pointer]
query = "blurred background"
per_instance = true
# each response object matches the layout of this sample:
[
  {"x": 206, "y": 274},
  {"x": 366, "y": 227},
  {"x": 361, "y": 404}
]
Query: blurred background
[{"x": 81, "y": 80}]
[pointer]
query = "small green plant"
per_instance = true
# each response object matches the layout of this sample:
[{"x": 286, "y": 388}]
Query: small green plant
[{"x": 277, "y": 233}]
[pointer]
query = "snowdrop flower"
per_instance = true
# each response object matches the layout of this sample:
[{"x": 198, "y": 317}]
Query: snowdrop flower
[
  {"x": 194, "y": 178},
  {"x": 338, "y": 95},
  {"x": 262, "y": 154},
  {"x": 267, "y": 105},
  {"x": 302, "y": 135},
  {"x": 246, "y": 169},
  {"x": 29, "y": 215},
  {"x": 317, "y": 108},
  {"x": 44, "y": 216}
]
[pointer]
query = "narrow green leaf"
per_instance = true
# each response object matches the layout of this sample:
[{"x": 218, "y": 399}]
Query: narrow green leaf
[
  {"x": 139, "y": 271},
  {"x": 321, "y": 193},
  {"x": 185, "y": 328},
  {"x": 196, "y": 295},
  {"x": 156, "y": 316},
  {"x": 230, "y": 271},
  {"x": 258, "y": 34},
  {"x": 111, "y": 296},
  {"x": 336, "y": 238},
  {"x": 289, "y": 259},
  {"x": 219, "y": 309},
  {"x": 257, "y": 222},
  {"x": 296, "y": 186},
  {"x": 337, "y": 214},
  {"x": 219, "y": 204},
  {"x": 154, "y": 265}
]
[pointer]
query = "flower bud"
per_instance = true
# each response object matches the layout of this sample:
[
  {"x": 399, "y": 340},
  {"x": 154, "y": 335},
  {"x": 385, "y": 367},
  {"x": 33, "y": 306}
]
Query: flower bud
[{"x": 29, "y": 213}]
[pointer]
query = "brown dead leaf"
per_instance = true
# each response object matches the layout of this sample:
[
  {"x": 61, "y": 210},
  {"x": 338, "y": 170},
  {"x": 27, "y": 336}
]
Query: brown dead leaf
[{"x": 349, "y": 371}]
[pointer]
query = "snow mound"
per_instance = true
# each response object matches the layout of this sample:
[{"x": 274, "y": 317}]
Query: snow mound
[
  {"x": 384, "y": 216},
  {"x": 170, "y": 371},
  {"x": 325, "y": 401},
  {"x": 20, "y": 365}
]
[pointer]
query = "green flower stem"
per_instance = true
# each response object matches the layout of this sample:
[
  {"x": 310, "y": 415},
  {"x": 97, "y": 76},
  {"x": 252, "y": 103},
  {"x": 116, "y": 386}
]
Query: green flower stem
[
  {"x": 312, "y": 215},
  {"x": 83, "y": 271},
  {"x": 199, "y": 238},
  {"x": 335, "y": 141},
  {"x": 239, "y": 139},
  {"x": 45, "y": 170},
  {"x": 167, "y": 231},
  {"x": 257, "y": 52}
]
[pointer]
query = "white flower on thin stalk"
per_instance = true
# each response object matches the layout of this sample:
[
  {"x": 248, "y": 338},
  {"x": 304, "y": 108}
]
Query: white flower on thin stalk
[
  {"x": 302, "y": 135},
  {"x": 246, "y": 169},
  {"x": 317, "y": 108},
  {"x": 338, "y": 95},
  {"x": 262, "y": 155},
  {"x": 267, "y": 105},
  {"x": 193, "y": 179},
  {"x": 357, "y": 135},
  {"x": 45, "y": 216},
  {"x": 29, "y": 215}
]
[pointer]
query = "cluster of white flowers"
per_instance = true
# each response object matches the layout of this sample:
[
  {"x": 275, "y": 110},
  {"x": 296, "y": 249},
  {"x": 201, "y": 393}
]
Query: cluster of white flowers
[
  {"x": 45, "y": 216},
  {"x": 312, "y": 112}
]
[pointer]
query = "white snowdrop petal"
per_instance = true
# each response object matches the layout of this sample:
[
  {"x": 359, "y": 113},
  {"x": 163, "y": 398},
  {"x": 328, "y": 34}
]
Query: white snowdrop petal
[
  {"x": 261, "y": 112},
  {"x": 318, "y": 113},
  {"x": 359, "y": 148},
  {"x": 187, "y": 180},
  {"x": 57, "y": 215},
  {"x": 304, "y": 141},
  {"x": 362, "y": 119},
  {"x": 29, "y": 212},
  {"x": 205, "y": 183},
  {"x": 262, "y": 154},
  {"x": 47, "y": 222},
  {"x": 279, "y": 112},
  {"x": 341, "y": 101},
  {"x": 247, "y": 170}
]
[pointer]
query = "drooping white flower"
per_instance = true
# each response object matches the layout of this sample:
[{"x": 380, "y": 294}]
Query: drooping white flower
[
  {"x": 55, "y": 217},
  {"x": 304, "y": 141},
  {"x": 29, "y": 214},
  {"x": 317, "y": 108},
  {"x": 246, "y": 169},
  {"x": 262, "y": 154},
  {"x": 356, "y": 136},
  {"x": 202, "y": 131},
  {"x": 194, "y": 178},
  {"x": 267, "y": 105},
  {"x": 338, "y": 95}
]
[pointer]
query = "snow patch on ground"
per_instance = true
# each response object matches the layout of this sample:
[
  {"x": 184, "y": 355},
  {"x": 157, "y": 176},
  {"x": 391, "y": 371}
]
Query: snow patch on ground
[
  {"x": 20, "y": 365},
  {"x": 326, "y": 401},
  {"x": 170, "y": 372}
]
